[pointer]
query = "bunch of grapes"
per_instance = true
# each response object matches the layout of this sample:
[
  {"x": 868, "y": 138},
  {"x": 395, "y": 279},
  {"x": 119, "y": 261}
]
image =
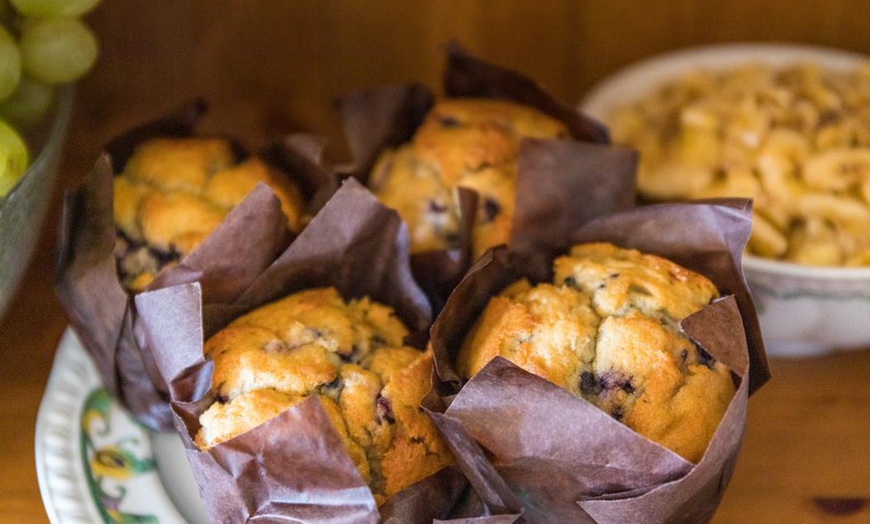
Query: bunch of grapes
[{"x": 43, "y": 44}]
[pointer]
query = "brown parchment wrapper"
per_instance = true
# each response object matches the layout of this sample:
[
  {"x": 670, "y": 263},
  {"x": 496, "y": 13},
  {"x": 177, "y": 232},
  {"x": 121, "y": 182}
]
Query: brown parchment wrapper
[
  {"x": 245, "y": 243},
  {"x": 563, "y": 459},
  {"x": 379, "y": 119},
  {"x": 294, "y": 467}
]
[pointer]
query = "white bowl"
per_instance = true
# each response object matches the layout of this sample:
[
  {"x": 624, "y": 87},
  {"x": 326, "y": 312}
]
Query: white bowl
[{"x": 804, "y": 310}]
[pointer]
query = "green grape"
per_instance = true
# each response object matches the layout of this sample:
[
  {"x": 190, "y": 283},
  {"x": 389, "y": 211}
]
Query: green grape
[
  {"x": 57, "y": 50},
  {"x": 13, "y": 158},
  {"x": 10, "y": 64},
  {"x": 54, "y": 8},
  {"x": 28, "y": 104}
]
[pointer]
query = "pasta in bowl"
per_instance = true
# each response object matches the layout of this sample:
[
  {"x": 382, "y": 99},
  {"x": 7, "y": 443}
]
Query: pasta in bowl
[{"x": 787, "y": 125}]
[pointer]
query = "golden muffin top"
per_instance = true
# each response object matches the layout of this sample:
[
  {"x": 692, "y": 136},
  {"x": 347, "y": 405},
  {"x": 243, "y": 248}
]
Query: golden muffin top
[
  {"x": 173, "y": 192},
  {"x": 471, "y": 143},
  {"x": 607, "y": 330},
  {"x": 349, "y": 354}
]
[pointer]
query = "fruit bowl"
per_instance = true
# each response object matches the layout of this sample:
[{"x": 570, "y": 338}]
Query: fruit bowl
[
  {"x": 23, "y": 209},
  {"x": 804, "y": 310}
]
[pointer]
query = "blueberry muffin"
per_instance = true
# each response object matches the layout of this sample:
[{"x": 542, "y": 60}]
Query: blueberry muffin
[
  {"x": 174, "y": 191},
  {"x": 349, "y": 354},
  {"x": 607, "y": 330},
  {"x": 470, "y": 143}
]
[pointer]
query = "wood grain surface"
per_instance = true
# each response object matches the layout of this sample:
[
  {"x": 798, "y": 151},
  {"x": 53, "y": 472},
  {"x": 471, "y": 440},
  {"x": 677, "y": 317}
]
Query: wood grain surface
[{"x": 275, "y": 66}]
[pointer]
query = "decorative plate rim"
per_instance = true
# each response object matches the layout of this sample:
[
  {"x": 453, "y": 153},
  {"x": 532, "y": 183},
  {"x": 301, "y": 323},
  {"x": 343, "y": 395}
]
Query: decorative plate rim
[
  {"x": 58, "y": 459},
  {"x": 76, "y": 485}
]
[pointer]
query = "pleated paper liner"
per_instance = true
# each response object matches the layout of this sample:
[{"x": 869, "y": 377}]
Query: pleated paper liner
[
  {"x": 561, "y": 458},
  {"x": 379, "y": 119},
  {"x": 87, "y": 283},
  {"x": 294, "y": 468}
]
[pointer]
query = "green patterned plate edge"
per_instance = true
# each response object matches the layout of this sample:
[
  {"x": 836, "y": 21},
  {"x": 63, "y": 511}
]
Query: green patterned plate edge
[{"x": 94, "y": 463}]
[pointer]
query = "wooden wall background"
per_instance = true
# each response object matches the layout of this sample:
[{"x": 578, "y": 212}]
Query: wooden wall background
[{"x": 273, "y": 66}]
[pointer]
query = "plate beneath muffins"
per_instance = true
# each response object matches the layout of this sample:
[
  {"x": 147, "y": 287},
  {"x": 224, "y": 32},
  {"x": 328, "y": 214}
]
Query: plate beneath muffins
[{"x": 94, "y": 463}]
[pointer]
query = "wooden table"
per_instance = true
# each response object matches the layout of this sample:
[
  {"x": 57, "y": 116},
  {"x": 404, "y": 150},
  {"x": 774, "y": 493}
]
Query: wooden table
[{"x": 806, "y": 456}]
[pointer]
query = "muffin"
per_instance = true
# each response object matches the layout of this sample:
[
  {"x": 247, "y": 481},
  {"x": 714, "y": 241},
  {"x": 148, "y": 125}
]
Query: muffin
[
  {"x": 607, "y": 330},
  {"x": 173, "y": 192},
  {"x": 350, "y": 355},
  {"x": 471, "y": 143}
]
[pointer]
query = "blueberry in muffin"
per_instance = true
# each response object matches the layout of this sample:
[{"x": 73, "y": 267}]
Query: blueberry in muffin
[
  {"x": 471, "y": 143},
  {"x": 607, "y": 330},
  {"x": 173, "y": 192},
  {"x": 351, "y": 355}
]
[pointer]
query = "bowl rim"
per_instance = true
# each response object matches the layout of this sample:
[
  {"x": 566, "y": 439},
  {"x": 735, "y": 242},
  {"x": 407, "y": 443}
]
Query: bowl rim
[
  {"x": 57, "y": 123},
  {"x": 645, "y": 73},
  {"x": 27, "y": 202},
  {"x": 641, "y": 76},
  {"x": 61, "y": 113},
  {"x": 756, "y": 264}
]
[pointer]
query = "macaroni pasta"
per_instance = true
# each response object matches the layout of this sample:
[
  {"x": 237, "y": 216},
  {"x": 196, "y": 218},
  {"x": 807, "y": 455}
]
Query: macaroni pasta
[{"x": 796, "y": 140}]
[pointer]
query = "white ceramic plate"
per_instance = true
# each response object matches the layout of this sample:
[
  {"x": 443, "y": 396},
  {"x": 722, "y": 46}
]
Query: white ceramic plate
[
  {"x": 95, "y": 464},
  {"x": 804, "y": 310}
]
